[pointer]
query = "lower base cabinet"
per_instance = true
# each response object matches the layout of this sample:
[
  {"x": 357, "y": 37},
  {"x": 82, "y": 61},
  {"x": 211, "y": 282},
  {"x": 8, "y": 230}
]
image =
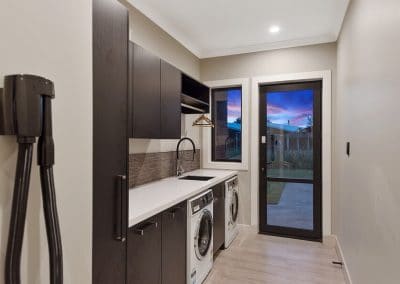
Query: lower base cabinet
[
  {"x": 174, "y": 228},
  {"x": 157, "y": 248},
  {"x": 219, "y": 216},
  {"x": 144, "y": 252}
]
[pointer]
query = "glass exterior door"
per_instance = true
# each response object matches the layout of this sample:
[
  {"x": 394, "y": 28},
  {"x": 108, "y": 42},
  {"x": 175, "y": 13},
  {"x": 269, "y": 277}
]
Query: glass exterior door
[{"x": 290, "y": 160}]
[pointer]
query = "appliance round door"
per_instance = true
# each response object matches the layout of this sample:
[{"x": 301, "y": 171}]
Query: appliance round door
[
  {"x": 203, "y": 237},
  {"x": 234, "y": 207}
]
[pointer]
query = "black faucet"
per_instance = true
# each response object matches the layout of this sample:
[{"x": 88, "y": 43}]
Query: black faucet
[{"x": 179, "y": 169}]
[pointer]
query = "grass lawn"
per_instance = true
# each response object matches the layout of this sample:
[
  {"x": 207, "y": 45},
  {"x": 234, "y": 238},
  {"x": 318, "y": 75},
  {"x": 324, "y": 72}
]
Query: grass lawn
[
  {"x": 290, "y": 173},
  {"x": 275, "y": 189}
]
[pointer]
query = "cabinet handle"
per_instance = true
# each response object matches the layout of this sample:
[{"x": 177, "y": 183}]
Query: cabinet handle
[
  {"x": 173, "y": 211},
  {"x": 147, "y": 225},
  {"x": 121, "y": 226}
]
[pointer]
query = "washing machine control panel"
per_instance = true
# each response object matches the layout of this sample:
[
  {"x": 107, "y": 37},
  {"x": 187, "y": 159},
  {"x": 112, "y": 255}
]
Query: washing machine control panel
[
  {"x": 233, "y": 183},
  {"x": 201, "y": 202}
]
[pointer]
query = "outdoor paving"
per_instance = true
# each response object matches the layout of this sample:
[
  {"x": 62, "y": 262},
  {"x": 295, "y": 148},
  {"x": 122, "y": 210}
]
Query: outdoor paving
[{"x": 295, "y": 208}]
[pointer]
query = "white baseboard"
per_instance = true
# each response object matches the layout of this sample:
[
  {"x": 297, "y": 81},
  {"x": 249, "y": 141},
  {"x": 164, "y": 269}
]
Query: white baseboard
[{"x": 342, "y": 259}]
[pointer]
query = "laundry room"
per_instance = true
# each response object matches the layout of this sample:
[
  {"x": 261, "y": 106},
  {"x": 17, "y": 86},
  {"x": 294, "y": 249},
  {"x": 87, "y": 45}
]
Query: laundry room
[{"x": 199, "y": 142}]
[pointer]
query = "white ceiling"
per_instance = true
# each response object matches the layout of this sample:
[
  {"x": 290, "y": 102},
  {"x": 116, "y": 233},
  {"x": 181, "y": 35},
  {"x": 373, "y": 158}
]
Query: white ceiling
[{"x": 210, "y": 28}]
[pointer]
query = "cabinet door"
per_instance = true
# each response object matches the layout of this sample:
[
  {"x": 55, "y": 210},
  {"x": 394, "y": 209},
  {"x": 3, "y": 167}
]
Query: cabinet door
[
  {"x": 219, "y": 216},
  {"x": 110, "y": 140},
  {"x": 146, "y": 94},
  {"x": 144, "y": 252},
  {"x": 174, "y": 245},
  {"x": 170, "y": 101}
]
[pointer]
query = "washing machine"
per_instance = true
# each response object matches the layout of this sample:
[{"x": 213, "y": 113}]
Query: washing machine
[
  {"x": 200, "y": 237},
  {"x": 231, "y": 210}
]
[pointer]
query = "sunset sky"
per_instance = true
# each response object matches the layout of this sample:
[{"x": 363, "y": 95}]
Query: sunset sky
[
  {"x": 296, "y": 106},
  {"x": 234, "y": 104}
]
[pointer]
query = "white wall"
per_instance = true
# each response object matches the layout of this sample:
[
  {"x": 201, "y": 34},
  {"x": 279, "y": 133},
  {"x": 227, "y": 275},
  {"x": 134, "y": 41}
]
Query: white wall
[
  {"x": 150, "y": 36},
  {"x": 52, "y": 39},
  {"x": 283, "y": 61},
  {"x": 367, "y": 184}
]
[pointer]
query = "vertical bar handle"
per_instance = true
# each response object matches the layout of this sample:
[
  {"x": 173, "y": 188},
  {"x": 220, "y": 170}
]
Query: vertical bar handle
[{"x": 121, "y": 226}]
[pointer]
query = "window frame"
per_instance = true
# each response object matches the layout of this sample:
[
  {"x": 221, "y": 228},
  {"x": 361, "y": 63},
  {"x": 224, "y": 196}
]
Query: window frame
[
  {"x": 213, "y": 114},
  {"x": 207, "y": 151}
]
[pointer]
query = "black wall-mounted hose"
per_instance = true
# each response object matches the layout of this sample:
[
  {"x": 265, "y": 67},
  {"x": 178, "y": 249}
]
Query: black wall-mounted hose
[
  {"x": 46, "y": 162},
  {"x": 25, "y": 104},
  {"x": 18, "y": 213},
  {"x": 52, "y": 226}
]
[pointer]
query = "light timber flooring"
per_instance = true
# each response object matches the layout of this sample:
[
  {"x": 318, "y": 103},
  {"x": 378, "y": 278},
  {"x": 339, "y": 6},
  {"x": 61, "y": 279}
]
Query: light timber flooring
[{"x": 255, "y": 258}]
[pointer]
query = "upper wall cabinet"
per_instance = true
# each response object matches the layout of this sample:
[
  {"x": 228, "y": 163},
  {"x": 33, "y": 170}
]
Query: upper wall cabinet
[
  {"x": 155, "y": 88},
  {"x": 146, "y": 88},
  {"x": 159, "y": 93},
  {"x": 170, "y": 102}
]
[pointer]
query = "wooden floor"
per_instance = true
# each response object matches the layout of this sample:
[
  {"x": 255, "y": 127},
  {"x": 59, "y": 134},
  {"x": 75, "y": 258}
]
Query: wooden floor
[{"x": 254, "y": 258}]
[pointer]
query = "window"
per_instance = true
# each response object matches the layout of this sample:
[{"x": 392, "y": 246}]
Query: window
[{"x": 227, "y": 118}]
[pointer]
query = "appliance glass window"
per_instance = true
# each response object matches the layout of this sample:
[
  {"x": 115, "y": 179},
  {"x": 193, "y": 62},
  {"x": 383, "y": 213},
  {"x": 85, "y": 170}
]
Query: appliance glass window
[
  {"x": 205, "y": 233},
  {"x": 234, "y": 205}
]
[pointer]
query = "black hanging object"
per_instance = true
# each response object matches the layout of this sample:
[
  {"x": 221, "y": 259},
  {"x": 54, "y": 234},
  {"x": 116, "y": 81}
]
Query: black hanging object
[
  {"x": 25, "y": 111},
  {"x": 348, "y": 149}
]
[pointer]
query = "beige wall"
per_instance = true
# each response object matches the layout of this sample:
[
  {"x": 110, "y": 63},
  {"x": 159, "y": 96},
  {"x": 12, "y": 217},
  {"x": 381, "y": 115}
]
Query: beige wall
[
  {"x": 146, "y": 33},
  {"x": 291, "y": 60},
  {"x": 150, "y": 36},
  {"x": 367, "y": 195},
  {"x": 53, "y": 39}
]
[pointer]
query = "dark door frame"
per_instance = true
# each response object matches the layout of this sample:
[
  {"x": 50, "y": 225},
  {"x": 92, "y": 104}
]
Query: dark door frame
[{"x": 316, "y": 234}]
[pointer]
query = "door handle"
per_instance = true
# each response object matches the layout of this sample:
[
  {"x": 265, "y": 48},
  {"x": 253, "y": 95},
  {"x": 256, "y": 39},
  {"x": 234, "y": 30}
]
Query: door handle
[{"x": 121, "y": 226}]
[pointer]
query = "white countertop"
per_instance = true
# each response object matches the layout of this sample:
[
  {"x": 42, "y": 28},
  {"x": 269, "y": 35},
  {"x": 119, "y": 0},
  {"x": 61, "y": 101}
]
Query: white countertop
[{"x": 152, "y": 198}]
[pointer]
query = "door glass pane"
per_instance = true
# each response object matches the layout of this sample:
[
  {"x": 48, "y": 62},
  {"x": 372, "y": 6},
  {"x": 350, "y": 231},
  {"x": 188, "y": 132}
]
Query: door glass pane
[
  {"x": 290, "y": 205},
  {"x": 290, "y": 134}
]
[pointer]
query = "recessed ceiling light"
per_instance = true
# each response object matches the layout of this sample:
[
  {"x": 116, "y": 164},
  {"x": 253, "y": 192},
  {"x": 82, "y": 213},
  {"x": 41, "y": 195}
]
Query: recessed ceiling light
[{"x": 274, "y": 29}]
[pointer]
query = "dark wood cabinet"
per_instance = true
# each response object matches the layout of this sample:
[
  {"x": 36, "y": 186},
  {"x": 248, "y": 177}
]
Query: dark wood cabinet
[
  {"x": 110, "y": 141},
  {"x": 157, "y": 248},
  {"x": 155, "y": 89},
  {"x": 170, "y": 127},
  {"x": 174, "y": 245},
  {"x": 144, "y": 252},
  {"x": 219, "y": 216},
  {"x": 146, "y": 89}
]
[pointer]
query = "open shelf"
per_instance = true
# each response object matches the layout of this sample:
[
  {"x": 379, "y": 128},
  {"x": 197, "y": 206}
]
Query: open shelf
[
  {"x": 194, "y": 96},
  {"x": 188, "y": 109}
]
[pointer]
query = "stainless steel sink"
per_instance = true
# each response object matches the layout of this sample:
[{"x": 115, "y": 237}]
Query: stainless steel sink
[{"x": 200, "y": 178}]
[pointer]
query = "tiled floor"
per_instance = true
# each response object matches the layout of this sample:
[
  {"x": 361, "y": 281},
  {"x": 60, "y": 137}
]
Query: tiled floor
[{"x": 254, "y": 258}]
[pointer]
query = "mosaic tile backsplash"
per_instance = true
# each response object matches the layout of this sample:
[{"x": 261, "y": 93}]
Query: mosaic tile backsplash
[{"x": 148, "y": 167}]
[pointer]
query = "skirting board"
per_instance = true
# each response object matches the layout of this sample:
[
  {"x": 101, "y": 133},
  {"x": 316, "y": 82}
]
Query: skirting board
[{"x": 341, "y": 258}]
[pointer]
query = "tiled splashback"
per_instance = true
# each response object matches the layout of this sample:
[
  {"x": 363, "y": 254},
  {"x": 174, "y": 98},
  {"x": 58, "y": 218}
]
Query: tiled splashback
[{"x": 148, "y": 167}]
